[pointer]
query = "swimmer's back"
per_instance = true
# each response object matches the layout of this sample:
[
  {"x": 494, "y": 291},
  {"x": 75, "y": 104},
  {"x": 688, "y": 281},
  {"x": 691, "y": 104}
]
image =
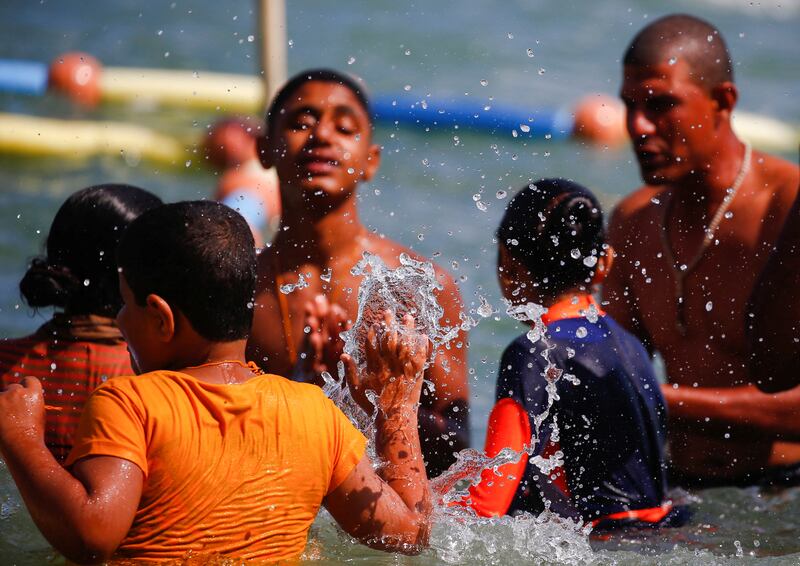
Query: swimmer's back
[{"x": 231, "y": 469}]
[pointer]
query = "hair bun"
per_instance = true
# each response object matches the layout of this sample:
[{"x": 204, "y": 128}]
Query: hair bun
[{"x": 47, "y": 285}]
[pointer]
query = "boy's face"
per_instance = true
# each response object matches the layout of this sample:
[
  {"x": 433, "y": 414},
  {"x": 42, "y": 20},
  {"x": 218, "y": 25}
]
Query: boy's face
[
  {"x": 137, "y": 329},
  {"x": 321, "y": 144}
]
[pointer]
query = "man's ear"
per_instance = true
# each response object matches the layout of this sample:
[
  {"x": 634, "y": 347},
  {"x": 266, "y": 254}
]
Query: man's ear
[
  {"x": 373, "y": 162},
  {"x": 161, "y": 316},
  {"x": 264, "y": 148},
  {"x": 604, "y": 264},
  {"x": 725, "y": 96}
]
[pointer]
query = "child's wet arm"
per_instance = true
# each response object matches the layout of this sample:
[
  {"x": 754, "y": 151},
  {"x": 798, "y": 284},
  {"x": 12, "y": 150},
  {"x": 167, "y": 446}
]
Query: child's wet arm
[
  {"x": 388, "y": 510},
  {"x": 84, "y": 516}
]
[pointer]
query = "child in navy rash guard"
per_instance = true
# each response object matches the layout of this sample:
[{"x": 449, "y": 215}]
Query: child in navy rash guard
[{"x": 599, "y": 454}]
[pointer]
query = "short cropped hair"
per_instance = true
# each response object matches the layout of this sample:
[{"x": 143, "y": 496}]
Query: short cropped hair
[
  {"x": 685, "y": 37},
  {"x": 199, "y": 256},
  {"x": 315, "y": 75},
  {"x": 79, "y": 271},
  {"x": 552, "y": 227}
]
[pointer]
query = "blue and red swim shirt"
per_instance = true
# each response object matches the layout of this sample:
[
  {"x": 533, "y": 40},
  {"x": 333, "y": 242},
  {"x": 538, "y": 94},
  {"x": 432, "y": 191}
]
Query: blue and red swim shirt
[{"x": 604, "y": 437}]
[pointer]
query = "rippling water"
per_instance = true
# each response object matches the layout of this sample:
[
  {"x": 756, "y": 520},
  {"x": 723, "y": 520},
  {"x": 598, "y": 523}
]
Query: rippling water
[{"x": 424, "y": 194}]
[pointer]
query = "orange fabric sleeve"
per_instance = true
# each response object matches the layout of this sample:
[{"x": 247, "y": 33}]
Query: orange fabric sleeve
[
  {"x": 509, "y": 427},
  {"x": 111, "y": 425},
  {"x": 347, "y": 448}
]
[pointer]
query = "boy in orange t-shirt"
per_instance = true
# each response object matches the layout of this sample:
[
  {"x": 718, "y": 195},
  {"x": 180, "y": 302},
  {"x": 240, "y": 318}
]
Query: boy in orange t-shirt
[{"x": 202, "y": 453}]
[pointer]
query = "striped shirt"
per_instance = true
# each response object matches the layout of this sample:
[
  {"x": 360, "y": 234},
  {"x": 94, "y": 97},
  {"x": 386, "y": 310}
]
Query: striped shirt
[{"x": 69, "y": 369}]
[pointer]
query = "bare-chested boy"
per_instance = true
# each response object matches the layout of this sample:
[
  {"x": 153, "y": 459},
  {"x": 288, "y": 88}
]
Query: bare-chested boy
[
  {"x": 319, "y": 138},
  {"x": 691, "y": 244}
]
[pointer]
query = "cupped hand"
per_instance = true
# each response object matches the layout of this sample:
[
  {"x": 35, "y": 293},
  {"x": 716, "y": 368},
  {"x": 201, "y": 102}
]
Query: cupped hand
[
  {"x": 22, "y": 411},
  {"x": 322, "y": 346},
  {"x": 395, "y": 358}
]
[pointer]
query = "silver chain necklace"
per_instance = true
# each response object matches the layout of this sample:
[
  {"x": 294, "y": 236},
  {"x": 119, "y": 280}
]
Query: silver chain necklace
[{"x": 681, "y": 272}]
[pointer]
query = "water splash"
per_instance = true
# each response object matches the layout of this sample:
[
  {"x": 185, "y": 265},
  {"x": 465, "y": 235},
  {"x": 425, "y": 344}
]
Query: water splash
[{"x": 290, "y": 287}]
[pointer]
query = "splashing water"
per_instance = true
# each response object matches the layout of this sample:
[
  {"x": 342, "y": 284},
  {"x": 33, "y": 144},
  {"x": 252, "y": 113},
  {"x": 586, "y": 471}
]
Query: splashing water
[
  {"x": 458, "y": 532},
  {"x": 290, "y": 287}
]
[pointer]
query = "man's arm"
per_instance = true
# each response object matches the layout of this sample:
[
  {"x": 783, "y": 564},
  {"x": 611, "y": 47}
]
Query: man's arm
[
  {"x": 743, "y": 407},
  {"x": 84, "y": 514},
  {"x": 390, "y": 509}
]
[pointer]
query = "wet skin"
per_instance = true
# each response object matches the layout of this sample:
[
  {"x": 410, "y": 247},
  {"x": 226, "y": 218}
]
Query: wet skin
[
  {"x": 322, "y": 149},
  {"x": 721, "y": 427}
]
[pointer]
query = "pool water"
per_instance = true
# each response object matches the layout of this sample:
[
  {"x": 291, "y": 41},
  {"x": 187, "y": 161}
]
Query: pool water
[{"x": 423, "y": 195}]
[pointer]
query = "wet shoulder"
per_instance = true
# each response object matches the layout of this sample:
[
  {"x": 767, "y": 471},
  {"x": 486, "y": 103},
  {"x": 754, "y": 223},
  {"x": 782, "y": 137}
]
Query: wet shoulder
[
  {"x": 636, "y": 211},
  {"x": 778, "y": 176}
]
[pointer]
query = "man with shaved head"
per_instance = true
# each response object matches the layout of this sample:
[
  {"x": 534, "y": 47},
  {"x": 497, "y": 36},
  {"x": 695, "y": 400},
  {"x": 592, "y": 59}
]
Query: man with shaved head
[{"x": 691, "y": 244}]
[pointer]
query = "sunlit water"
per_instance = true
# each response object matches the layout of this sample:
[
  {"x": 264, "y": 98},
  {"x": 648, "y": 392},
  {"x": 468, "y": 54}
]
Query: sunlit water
[{"x": 423, "y": 195}]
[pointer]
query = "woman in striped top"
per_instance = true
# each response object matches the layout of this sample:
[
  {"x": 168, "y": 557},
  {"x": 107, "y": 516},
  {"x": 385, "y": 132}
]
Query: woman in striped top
[{"x": 80, "y": 346}]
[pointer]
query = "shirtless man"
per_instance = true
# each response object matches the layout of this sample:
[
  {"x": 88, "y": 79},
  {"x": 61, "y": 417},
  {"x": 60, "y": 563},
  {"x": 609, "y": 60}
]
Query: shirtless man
[
  {"x": 319, "y": 138},
  {"x": 688, "y": 257}
]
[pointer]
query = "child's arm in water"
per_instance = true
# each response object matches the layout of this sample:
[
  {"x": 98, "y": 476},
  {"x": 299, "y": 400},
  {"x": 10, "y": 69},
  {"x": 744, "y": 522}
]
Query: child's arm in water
[
  {"x": 390, "y": 509},
  {"x": 84, "y": 515}
]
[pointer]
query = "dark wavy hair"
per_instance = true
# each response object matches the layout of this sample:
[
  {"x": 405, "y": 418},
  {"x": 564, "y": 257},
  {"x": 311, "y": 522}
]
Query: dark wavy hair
[
  {"x": 314, "y": 75},
  {"x": 552, "y": 226},
  {"x": 79, "y": 271},
  {"x": 200, "y": 257}
]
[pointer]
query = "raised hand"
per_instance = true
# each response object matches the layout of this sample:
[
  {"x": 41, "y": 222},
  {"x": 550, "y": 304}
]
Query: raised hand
[
  {"x": 322, "y": 347},
  {"x": 395, "y": 358},
  {"x": 22, "y": 412}
]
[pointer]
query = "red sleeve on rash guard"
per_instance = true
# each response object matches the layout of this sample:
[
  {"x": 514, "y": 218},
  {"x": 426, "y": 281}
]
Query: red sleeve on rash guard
[{"x": 509, "y": 427}]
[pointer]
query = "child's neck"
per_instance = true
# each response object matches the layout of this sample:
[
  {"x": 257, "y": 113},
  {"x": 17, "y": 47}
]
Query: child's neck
[
  {"x": 322, "y": 238},
  {"x": 218, "y": 362}
]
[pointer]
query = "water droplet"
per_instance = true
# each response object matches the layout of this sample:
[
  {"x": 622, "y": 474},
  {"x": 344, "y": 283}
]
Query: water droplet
[
  {"x": 575, "y": 253},
  {"x": 581, "y": 332},
  {"x": 291, "y": 43},
  {"x": 307, "y": 330},
  {"x": 592, "y": 314},
  {"x": 251, "y": 38},
  {"x": 85, "y": 282},
  {"x": 525, "y": 128},
  {"x": 53, "y": 366},
  {"x": 407, "y": 52},
  {"x": 510, "y": 35},
  {"x": 326, "y": 275},
  {"x": 673, "y": 60},
  {"x": 350, "y": 170},
  {"x": 542, "y": 71},
  {"x": 484, "y": 82},
  {"x": 420, "y": 236},
  {"x": 654, "y": 200},
  {"x": 485, "y": 309},
  {"x": 709, "y": 306},
  {"x": 590, "y": 261},
  {"x": 160, "y": 32},
  {"x": 570, "y": 352},
  {"x": 529, "y": 52},
  {"x": 710, "y": 38},
  {"x": 501, "y": 194},
  {"x": 407, "y": 88},
  {"x": 729, "y": 214},
  {"x": 188, "y": 163},
  {"x": 351, "y": 60},
  {"x": 481, "y": 206},
  {"x": 166, "y": 54}
]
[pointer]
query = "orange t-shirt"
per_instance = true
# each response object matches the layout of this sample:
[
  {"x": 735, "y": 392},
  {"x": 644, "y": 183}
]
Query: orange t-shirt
[{"x": 240, "y": 470}]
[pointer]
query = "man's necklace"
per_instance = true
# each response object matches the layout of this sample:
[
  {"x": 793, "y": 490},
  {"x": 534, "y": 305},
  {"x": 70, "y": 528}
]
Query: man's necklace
[{"x": 681, "y": 272}]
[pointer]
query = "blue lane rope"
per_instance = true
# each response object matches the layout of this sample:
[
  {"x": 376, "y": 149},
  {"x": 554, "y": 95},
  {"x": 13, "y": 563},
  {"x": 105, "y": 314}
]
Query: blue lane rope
[
  {"x": 497, "y": 119},
  {"x": 23, "y": 77}
]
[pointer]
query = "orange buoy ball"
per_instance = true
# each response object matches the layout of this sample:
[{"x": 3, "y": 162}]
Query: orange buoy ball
[
  {"x": 76, "y": 75},
  {"x": 231, "y": 142},
  {"x": 600, "y": 118}
]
